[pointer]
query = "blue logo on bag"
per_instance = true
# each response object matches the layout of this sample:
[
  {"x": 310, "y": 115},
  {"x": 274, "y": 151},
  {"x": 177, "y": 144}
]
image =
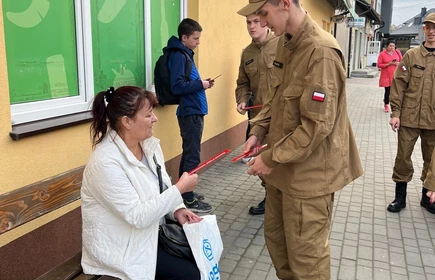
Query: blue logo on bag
[
  {"x": 214, "y": 273},
  {"x": 206, "y": 248}
]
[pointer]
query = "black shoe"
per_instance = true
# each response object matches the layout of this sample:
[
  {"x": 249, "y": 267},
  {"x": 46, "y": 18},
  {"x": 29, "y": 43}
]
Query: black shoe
[
  {"x": 396, "y": 206},
  {"x": 425, "y": 202},
  {"x": 399, "y": 201},
  {"x": 259, "y": 210},
  {"x": 197, "y": 206},
  {"x": 199, "y": 196}
]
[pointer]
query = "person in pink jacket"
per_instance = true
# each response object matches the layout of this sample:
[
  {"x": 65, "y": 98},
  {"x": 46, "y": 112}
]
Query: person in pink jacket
[{"x": 387, "y": 62}]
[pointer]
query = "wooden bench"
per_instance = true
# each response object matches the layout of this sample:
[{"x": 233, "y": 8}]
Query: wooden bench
[{"x": 71, "y": 270}]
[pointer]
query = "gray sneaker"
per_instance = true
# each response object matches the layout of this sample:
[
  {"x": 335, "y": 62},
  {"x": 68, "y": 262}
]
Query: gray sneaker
[
  {"x": 197, "y": 206},
  {"x": 199, "y": 196}
]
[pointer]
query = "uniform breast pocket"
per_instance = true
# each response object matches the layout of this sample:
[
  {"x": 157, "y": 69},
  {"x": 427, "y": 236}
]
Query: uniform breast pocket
[
  {"x": 251, "y": 67},
  {"x": 415, "y": 79},
  {"x": 291, "y": 111}
]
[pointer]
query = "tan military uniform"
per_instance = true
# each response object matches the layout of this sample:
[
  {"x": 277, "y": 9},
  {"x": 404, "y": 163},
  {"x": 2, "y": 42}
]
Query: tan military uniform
[
  {"x": 413, "y": 101},
  {"x": 312, "y": 150},
  {"x": 255, "y": 72},
  {"x": 429, "y": 183}
]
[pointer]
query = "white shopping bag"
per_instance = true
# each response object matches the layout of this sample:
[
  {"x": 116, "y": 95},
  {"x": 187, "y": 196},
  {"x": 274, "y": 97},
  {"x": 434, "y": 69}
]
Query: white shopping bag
[{"x": 206, "y": 243}]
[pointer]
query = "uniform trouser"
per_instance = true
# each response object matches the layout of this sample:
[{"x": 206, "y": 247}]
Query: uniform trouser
[
  {"x": 403, "y": 169},
  {"x": 191, "y": 128},
  {"x": 297, "y": 234}
]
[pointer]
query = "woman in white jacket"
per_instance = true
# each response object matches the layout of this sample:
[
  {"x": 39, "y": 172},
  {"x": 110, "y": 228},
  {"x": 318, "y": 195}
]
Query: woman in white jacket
[{"x": 122, "y": 206}]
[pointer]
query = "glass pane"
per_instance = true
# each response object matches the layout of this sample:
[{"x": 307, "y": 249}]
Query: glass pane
[
  {"x": 118, "y": 43},
  {"x": 40, "y": 49},
  {"x": 165, "y": 17}
]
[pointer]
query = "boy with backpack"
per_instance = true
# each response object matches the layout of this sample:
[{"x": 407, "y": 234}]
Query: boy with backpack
[{"x": 188, "y": 87}]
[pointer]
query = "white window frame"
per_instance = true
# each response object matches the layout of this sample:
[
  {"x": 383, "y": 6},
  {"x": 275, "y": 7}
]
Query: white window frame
[
  {"x": 47, "y": 109},
  {"x": 38, "y": 110}
]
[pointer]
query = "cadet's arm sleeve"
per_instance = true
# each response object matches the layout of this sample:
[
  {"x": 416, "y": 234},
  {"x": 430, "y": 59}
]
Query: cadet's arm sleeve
[
  {"x": 398, "y": 86},
  {"x": 429, "y": 183},
  {"x": 325, "y": 79},
  {"x": 243, "y": 89},
  {"x": 260, "y": 124}
]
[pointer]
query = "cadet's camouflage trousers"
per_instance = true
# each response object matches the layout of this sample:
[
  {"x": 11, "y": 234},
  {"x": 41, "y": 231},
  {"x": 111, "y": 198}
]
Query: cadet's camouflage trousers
[
  {"x": 407, "y": 137},
  {"x": 297, "y": 234}
]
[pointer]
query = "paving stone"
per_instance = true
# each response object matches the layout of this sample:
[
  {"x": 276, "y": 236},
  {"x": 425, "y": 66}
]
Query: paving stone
[
  {"x": 257, "y": 275},
  {"x": 346, "y": 272},
  {"x": 364, "y": 272}
]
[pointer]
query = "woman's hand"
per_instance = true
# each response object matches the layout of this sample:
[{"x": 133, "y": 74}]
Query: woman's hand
[
  {"x": 183, "y": 215},
  {"x": 187, "y": 183}
]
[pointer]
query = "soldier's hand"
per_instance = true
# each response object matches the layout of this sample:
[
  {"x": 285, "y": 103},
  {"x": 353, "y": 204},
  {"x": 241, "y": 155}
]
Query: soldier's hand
[
  {"x": 431, "y": 195},
  {"x": 251, "y": 143},
  {"x": 241, "y": 108},
  {"x": 395, "y": 124},
  {"x": 258, "y": 167}
]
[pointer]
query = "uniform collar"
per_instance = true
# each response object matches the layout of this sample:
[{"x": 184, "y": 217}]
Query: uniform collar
[
  {"x": 262, "y": 44},
  {"x": 306, "y": 28},
  {"x": 424, "y": 51}
]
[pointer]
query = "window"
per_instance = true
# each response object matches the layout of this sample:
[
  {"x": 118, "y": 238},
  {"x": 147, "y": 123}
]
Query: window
[{"x": 60, "y": 53}]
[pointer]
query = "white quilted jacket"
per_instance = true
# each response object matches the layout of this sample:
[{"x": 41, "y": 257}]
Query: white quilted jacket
[{"x": 121, "y": 209}]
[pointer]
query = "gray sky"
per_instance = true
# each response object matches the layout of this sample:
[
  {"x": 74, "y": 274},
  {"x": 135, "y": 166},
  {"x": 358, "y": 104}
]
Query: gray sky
[{"x": 406, "y": 9}]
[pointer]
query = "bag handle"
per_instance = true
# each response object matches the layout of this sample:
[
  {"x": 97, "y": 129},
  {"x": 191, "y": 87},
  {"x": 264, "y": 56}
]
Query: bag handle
[{"x": 159, "y": 173}]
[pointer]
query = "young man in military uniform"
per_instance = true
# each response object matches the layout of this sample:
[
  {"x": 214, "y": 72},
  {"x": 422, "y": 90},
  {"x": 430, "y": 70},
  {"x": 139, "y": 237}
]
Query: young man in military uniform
[
  {"x": 255, "y": 75},
  {"x": 312, "y": 151},
  {"x": 413, "y": 114}
]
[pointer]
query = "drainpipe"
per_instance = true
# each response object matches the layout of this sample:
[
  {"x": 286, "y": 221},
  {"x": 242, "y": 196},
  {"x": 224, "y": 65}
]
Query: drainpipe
[
  {"x": 377, "y": 29},
  {"x": 348, "y": 52}
]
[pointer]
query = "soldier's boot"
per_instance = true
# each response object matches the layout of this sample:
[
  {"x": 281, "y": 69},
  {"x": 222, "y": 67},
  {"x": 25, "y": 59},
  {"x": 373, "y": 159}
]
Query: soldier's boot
[
  {"x": 399, "y": 201},
  {"x": 425, "y": 202}
]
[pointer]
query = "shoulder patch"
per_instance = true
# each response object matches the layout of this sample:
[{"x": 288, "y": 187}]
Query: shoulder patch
[
  {"x": 278, "y": 64},
  {"x": 318, "y": 96},
  {"x": 249, "y": 62}
]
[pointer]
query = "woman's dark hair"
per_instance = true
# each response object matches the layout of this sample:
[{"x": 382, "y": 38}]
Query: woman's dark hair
[
  {"x": 390, "y": 41},
  {"x": 187, "y": 26},
  {"x": 124, "y": 101}
]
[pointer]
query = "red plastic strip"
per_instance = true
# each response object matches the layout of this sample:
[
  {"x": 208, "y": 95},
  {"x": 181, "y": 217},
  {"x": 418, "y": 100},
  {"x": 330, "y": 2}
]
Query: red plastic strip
[
  {"x": 248, "y": 153},
  {"x": 252, "y": 107},
  {"x": 221, "y": 154}
]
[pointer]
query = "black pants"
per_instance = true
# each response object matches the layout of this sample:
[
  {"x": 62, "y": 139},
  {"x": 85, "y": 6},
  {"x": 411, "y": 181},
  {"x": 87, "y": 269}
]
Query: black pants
[
  {"x": 387, "y": 96},
  {"x": 191, "y": 128},
  {"x": 173, "y": 268}
]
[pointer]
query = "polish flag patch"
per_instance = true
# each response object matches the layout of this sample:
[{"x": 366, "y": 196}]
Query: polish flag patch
[
  {"x": 319, "y": 96},
  {"x": 403, "y": 68}
]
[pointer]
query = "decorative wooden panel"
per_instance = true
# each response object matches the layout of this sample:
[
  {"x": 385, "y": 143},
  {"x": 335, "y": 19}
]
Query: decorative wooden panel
[{"x": 27, "y": 203}]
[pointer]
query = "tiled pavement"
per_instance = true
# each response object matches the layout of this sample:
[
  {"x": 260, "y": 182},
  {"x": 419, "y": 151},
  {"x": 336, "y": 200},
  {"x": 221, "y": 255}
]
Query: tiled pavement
[{"x": 367, "y": 242}]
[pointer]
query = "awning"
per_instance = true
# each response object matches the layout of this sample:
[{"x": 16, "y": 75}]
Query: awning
[
  {"x": 350, "y": 5},
  {"x": 364, "y": 9}
]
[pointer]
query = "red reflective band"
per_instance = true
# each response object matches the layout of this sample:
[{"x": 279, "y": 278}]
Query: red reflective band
[
  {"x": 252, "y": 107},
  {"x": 248, "y": 153},
  {"x": 221, "y": 154},
  {"x": 318, "y": 96}
]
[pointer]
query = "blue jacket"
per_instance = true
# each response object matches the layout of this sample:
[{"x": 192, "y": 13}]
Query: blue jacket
[{"x": 194, "y": 100}]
